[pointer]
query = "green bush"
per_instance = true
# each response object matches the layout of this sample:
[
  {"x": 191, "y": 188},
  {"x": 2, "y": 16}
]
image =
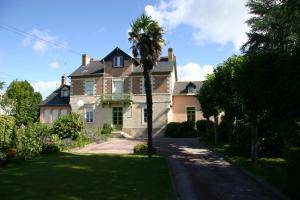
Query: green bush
[
  {"x": 53, "y": 145},
  {"x": 173, "y": 129},
  {"x": 142, "y": 149},
  {"x": 106, "y": 129},
  {"x": 240, "y": 143},
  {"x": 293, "y": 172},
  {"x": 68, "y": 126},
  {"x": 188, "y": 129},
  {"x": 6, "y": 130},
  {"x": 181, "y": 130},
  {"x": 29, "y": 144},
  {"x": 202, "y": 125}
]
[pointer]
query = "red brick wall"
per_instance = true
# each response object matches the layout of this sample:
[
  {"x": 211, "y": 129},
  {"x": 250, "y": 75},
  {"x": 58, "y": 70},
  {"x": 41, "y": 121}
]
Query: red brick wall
[
  {"x": 115, "y": 71},
  {"x": 78, "y": 87},
  {"x": 99, "y": 87},
  {"x": 108, "y": 85},
  {"x": 136, "y": 81},
  {"x": 160, "y": 84},
  {"x": 127, "y": 85}
]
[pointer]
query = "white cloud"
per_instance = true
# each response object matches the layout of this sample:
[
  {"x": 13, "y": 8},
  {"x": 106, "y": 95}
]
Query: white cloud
[
  {"x": 54, "y": 65},
  {"x": 45, "y": 87},
  {"x": 193, "y": 72},
  {"x": 42, "y": 41},
  {"x": 217, "y": 21}
]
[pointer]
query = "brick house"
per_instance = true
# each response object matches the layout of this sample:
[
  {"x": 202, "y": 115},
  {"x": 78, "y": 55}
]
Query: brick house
[{"x": 111, "y": 90}]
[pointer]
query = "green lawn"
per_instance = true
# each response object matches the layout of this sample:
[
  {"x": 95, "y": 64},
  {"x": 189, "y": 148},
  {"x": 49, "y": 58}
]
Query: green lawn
[
  {"x": 272, "y": 170},
  {"x": 77, "y": 177}
]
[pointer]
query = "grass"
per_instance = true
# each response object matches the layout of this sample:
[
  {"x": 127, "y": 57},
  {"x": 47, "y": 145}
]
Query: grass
[
  {"x": 78, "y": 177},
  {"x": 272, "y": 170}
]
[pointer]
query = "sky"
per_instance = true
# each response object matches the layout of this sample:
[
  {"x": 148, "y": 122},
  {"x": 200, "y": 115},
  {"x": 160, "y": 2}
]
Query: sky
[{"x": 42, "y": 40}]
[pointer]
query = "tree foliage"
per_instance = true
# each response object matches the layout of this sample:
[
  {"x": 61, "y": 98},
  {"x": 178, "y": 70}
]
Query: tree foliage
[{"x": 25, "y": 102}]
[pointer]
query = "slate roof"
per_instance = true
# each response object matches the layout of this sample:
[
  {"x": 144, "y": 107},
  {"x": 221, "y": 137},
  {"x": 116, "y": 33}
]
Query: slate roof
[
  {"x": 180, "y": 87},
  {"x": 162, "y": 66},
  {"x": 55, "y": 98},
  {"x": 95, "y": 67}
]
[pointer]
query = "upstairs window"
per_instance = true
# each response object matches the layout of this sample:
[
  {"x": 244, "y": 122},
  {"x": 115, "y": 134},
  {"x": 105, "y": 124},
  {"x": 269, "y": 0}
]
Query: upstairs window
[
  {"x": 65, "y": 93},
  {"x": 89, "y": 88},
  {"x": 191, "y": 90},
  {"x": 118, "y": 61},
  {"x": 145, "y": 115}
]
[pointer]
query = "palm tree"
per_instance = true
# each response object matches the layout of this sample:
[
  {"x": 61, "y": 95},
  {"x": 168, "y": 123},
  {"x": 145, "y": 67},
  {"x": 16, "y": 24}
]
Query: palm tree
[{"x": 146, "y": 37}]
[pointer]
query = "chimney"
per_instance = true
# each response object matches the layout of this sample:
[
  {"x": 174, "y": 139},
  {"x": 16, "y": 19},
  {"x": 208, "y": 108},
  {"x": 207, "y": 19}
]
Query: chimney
[
  {"x": 170, "y": 54},
  {"x": 63, "y": 80},
  {"x": 85, "y": 59}
]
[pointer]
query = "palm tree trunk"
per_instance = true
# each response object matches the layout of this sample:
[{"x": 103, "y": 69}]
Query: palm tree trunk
[
  {"x": 254, "y": 137},
  {"x": 148, "y": 90}
]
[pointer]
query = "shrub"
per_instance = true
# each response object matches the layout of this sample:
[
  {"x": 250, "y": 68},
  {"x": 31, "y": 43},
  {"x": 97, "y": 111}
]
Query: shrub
[
  {"x": 53, "y": 145},
  {"x": 173, "y": 129},
  {"x": 202, "y": 125},
  {"x": 240, "y": 142},
  {"x": 6, "y": 130},
  {"x": 293, "y": 172},
  {"x": 270, "y": 147},
  {"x": 142, "y": 149},
  {"x": 188, "y": 129},
  {"x": 11, "y": 154},
  {"x": 68, "y": 126},
  {"x": 106, "y": 129},
  {"x": 30, "y": 145}
]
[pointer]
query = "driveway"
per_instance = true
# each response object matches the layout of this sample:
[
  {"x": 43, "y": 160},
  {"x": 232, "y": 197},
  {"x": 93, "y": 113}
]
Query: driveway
[
  {"x": 111, "y": 146},
  {"x": 202, "y": 174}
]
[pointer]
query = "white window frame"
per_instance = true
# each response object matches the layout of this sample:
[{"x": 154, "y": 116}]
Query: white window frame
[
  {"x": 191, "y": 90},
  {"x": 87, "y": 90},
  {"x": 64, "y": 92},
  {"x": 88, "y": 109},
  {"x": 188, "y": 106},
  {"x": 117, "y": 61},
  {"x": 142, "y": 116},
  {"x": 55, "y": 115},
  {"x": 47, "y": 120}
]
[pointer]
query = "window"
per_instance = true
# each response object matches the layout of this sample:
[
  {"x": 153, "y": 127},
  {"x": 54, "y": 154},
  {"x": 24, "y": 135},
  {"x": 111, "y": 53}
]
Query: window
[
  {"x": 191, "y": 114},
  {"x": 47, "y": 116},
  {"x": 145, "y": 115},
  {"x": 89, "y": 88},
  {"x": 63, "y": 112},
  {"x": 65, "y": 93},
  {"x": 89, "y": 115},
  {"x": 118, "y": 61},
  {"x": 54, "y": 115},
  {"x": 117, "y": 115},
  {"x": 191, "y": 90}
]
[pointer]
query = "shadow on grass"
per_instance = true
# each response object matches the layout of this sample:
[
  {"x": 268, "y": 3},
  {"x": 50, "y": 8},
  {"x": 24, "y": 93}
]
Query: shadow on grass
[{"x": 79, "y": 177}]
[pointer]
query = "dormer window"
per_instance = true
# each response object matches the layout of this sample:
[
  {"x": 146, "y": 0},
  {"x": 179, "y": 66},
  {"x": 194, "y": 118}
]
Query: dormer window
[
  {"x": 118, "y": 61},
  {"x": 65, "y": 92},
  {"x": 191, "y": 90}
]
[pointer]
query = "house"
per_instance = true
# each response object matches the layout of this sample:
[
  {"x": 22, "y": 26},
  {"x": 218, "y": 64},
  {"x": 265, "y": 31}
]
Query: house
[
  {"x": 56, "y": 104},
  {"x": 111, "y": 90}
]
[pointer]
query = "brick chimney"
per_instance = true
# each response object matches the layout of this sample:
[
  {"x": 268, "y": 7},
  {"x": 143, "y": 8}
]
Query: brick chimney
[
  {"x": 170, "y": 54},
  {"x": 63, "y": 80},
  {"x": 85, "y": 59}
]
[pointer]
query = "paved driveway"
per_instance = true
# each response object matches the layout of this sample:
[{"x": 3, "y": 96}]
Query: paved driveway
[
  {"x": 111, "y": 146},
  {"x": 201, "y": 174}
]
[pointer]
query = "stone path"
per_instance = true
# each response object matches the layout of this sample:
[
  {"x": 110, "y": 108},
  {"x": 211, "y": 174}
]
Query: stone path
[
  {"x": 202, "y": 174},
  {"x": 111, "y": 146}
]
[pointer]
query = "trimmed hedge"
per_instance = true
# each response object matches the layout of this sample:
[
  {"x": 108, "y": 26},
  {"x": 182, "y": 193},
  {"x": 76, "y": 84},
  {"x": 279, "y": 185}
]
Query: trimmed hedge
[
  {"x": 202, "y": 125},
  {"x": 181, "y": 130},
  {"x": 293, "y": 172}
]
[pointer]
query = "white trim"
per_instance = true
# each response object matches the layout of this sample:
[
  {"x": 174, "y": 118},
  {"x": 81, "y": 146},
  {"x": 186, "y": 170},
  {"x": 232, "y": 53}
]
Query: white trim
[
  {"x": 88, "y": 80},
  {"x": 195, "y": 106},
  {"x": 89, "y": 106},
  {"x": 142, "y": 116}
]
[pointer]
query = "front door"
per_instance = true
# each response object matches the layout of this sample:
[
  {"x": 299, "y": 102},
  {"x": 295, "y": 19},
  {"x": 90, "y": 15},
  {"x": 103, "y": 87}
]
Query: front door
[
  {"x": 117, "y": 118},
  {"x": 117, "y": 89}
]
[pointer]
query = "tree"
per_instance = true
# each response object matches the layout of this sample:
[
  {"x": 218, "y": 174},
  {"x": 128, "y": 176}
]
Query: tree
[
  {"x": 146, "y": 37},
  {"x": 25, "y": 102},
  {"x": 208, "y": 95}
]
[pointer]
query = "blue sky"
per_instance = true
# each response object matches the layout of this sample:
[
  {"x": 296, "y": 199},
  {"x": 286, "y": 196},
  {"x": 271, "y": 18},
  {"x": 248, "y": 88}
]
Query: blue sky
[{"x": 203, "y": 33}]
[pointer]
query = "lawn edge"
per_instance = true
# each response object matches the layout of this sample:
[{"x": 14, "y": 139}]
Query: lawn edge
[{"x": 249, "y": 174}]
